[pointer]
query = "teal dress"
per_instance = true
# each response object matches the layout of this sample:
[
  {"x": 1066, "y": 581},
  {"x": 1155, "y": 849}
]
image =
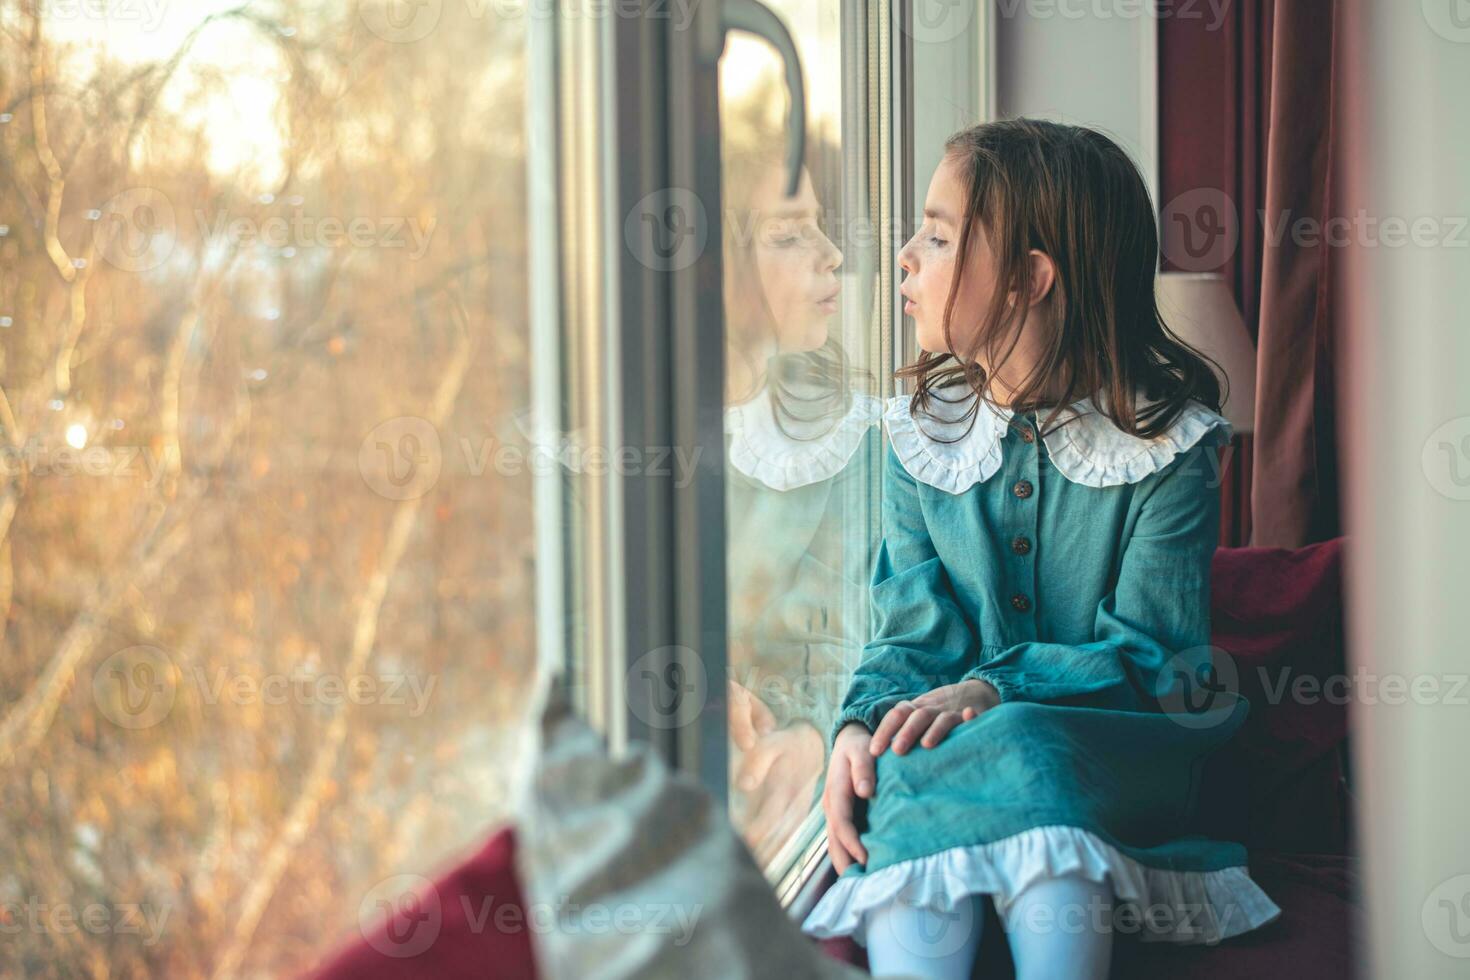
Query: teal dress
[{"x": 1071, "y": 570}]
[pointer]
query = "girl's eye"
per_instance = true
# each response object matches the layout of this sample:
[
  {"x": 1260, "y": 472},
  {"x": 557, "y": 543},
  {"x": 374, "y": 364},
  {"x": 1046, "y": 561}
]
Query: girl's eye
[
  {"x": 937, "y": 242},
  {"x": 785, "y": 234}
]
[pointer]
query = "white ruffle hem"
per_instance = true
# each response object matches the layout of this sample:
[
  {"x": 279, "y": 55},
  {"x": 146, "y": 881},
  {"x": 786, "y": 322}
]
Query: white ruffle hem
[{"x": 1184, "y": 907}]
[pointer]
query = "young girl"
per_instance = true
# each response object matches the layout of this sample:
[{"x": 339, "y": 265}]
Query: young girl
[{"x": 1022, "y": 725}]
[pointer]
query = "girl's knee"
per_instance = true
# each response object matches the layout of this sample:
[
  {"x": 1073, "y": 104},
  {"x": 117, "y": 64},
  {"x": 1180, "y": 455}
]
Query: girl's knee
[
  {"x": 918, "y": 941},
  {"x": 1061, "y": 927}
]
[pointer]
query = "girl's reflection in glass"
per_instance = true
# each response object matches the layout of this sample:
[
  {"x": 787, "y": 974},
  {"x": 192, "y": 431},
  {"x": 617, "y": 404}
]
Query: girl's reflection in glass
[{"x": 800, "y": 436}]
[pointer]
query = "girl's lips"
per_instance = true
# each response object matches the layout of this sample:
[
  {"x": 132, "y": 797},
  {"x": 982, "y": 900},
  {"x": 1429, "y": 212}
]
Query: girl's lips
[
  {"x": 909, "y": 306},
  {"x": 829, "y": 304}
]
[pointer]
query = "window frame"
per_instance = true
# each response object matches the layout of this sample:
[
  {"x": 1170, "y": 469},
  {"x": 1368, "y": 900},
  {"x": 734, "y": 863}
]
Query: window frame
[
  {"x": 624, "y": 108},
  {"x": 640, "y": 557}
]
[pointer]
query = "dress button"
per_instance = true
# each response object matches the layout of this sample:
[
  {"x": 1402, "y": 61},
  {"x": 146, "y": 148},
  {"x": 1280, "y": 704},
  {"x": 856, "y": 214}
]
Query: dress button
[
  {"x": 1027, "y": 435},
  {"x": 1020, "y": 603},
  {"x": 1022, "y": 489},
  {"x": 1021, "y": 544}
]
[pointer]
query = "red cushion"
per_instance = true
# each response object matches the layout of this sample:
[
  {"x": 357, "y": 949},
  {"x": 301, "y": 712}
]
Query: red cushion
[
  {"x": 1311, "y": 940},
  {"x": 1276, "y": 613},
  {"x": 470, "y": 925}
]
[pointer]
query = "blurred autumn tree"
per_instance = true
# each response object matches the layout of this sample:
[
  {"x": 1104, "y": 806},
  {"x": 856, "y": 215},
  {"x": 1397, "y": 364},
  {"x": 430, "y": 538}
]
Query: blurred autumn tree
[{"x": 262, "y": 322}]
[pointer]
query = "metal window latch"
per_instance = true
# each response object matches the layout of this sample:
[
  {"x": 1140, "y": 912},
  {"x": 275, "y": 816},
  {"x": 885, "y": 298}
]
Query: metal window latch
[{"x": 754, "y": 17}]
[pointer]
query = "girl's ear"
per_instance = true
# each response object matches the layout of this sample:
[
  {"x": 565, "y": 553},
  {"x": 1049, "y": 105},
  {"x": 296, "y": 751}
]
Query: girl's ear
[{"x": 1043, "y": 277}]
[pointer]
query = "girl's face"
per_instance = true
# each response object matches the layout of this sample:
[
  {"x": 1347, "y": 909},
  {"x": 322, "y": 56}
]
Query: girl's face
[
  {"x": 929, "y": 261},
  {"x": 797, "y": 263}
]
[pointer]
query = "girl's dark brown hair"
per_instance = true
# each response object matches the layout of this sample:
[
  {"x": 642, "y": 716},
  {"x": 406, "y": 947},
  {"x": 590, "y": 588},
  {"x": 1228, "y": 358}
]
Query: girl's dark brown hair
[{"x": 1073, "y": 194}]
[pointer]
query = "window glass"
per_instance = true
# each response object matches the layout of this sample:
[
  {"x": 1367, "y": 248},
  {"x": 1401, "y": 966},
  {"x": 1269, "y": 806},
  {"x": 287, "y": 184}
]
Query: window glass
[
  {"x": 265, "y": 546},
  {"x": 801, "y": 416}
]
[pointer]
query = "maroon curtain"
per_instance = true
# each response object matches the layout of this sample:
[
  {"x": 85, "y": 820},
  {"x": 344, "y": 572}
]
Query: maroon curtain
[{"x": 1246, "y": 104}]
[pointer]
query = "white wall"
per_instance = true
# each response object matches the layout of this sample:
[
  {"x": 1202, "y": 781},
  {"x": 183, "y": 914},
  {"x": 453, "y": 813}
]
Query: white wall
[
  {"x": 950, "y": 56},
  {"x": 1407, "y": 448},
  {"x": 1092, "y": 63}
]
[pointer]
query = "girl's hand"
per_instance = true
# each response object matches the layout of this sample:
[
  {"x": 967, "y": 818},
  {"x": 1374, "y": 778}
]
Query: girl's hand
[
  {"x": 926, "y": 719},
  {"x": 750, "y": 719},
  {"x": 776, "y": 778},
  {"x": 775, "y": 771},
  {"x": 850, "y": 774}
]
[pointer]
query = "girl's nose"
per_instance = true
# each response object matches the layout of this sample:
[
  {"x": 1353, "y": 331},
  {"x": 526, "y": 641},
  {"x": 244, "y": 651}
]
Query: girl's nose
[
  {"x": 906, "y": 257},
  {"x": 831, "y": 255}
]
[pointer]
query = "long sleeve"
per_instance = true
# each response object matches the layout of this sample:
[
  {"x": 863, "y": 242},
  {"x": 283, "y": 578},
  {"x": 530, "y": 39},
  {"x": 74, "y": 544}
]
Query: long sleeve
[
  {"x": 1153, "y": 629},
  {"x": 922, "y": 638}
]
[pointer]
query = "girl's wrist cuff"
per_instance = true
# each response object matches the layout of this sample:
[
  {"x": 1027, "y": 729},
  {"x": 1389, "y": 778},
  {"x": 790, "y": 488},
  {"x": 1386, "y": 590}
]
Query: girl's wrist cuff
[
  {"x": 869, "y": 715},
  {"x": 1004, "y": 690}
]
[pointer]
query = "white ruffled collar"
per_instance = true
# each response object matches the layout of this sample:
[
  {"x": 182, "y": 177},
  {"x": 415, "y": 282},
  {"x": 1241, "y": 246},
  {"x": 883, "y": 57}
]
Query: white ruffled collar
[
  {"x": 1083, "y": 444},
  {"x": 808, "y": 452}
]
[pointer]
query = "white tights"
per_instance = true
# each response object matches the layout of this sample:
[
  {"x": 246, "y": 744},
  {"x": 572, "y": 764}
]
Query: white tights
[{"x": 1058, "y": 928}]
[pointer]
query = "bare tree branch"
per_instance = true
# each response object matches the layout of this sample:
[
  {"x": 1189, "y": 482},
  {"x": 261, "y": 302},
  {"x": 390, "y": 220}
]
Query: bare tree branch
[
  {"x": 304, "y": 810},
  {"x": 54, "y": 176},
  {"x": 30, "y": 718}
]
